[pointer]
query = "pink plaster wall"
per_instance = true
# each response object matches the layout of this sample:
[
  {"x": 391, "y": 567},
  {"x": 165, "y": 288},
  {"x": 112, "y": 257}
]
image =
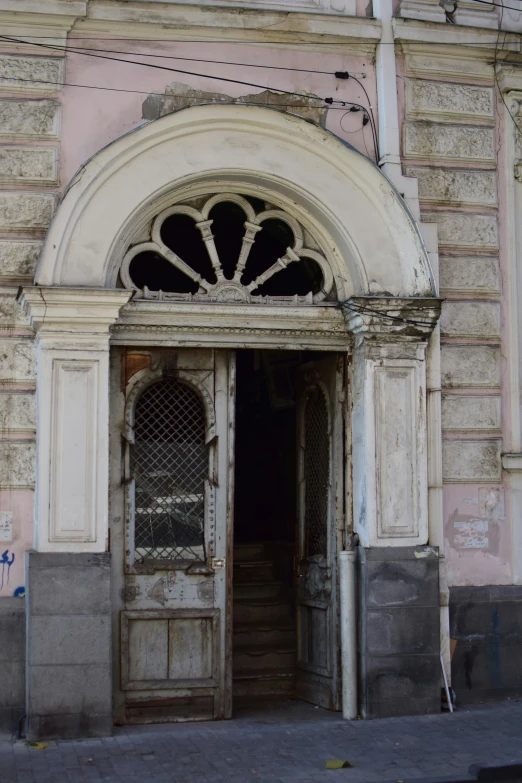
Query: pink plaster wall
[
  {"x": 20, "y": 504},
  {"x": 477, "y": 534},
  {"x": 477, "y": 538},
  {"x": 93, "y": 118},
  {"x": 477, "y": 525}
]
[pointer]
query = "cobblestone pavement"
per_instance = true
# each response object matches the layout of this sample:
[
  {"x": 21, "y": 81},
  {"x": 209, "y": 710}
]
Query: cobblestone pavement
[{"x": 286, "y": 744}]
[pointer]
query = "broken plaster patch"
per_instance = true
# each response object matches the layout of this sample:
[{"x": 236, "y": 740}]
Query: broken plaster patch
[{"x": 178, "y": 96}]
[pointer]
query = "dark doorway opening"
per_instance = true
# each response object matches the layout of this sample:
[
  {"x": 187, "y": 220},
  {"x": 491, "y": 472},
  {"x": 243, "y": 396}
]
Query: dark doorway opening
[
  {"x": 265, "y": 484},
  {"x": 265, "y": 515}
]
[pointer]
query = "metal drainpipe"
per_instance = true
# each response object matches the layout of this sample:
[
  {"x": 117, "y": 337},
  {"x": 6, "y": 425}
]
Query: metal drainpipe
[{"x": 348, "y": 633}]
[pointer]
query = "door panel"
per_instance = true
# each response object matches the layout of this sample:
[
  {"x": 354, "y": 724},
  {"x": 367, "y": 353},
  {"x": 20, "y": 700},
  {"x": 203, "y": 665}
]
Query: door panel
[
  {"x": 320, "y": 434},
  {"x": 170, "y": 545}
]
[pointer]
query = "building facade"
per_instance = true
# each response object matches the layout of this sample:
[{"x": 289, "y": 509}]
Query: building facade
[{"x": 260, "y": 344}]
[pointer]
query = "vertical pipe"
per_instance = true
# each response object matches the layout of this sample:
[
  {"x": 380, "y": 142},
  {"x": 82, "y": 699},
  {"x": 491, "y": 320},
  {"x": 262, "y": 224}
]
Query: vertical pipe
[{"x": 348, "y": 634}]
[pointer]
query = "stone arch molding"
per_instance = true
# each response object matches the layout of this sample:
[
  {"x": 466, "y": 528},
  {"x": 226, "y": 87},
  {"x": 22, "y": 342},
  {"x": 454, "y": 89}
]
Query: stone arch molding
[{"x": 354, "y": 214}]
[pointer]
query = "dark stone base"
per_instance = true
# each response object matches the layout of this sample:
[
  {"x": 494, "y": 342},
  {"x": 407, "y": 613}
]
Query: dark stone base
[
  {"x": 12, "y": 663},
  {"x": 68, "y": 657},
  {"x": 399, "y": 637},
  {"x": 487, "y": 624}
]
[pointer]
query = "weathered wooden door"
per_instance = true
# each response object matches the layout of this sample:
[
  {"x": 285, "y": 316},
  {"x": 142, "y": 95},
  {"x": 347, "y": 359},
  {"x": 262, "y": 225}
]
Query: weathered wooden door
[
  {"x": 171, "y": 506},
  {"x": 320, "y": 454}
]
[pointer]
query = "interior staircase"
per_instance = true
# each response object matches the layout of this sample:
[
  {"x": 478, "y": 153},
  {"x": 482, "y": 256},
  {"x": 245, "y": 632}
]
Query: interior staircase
[{"x": 264, "y": 645}]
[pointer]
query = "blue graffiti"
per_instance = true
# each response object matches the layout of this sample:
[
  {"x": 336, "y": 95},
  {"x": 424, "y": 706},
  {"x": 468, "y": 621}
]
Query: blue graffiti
[
  {"x": 5, "y": 561},
  {"x": 19, "y": 592}
]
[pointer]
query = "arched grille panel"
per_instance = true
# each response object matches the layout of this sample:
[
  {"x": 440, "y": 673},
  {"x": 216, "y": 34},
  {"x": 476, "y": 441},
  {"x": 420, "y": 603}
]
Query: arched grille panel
[
  {"x": 170, "y": 465},
  {"x": 317, "y": 470}
]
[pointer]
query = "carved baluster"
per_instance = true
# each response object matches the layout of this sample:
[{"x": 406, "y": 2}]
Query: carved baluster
[
  {"x": 178, "y": 262},
  {"x": 251, "y": 229},
  {"x": 208, "y": 239},
  {"x": 280, "y": 264}
]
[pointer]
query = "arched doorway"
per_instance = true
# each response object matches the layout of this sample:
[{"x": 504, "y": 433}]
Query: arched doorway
[{"x": 212, "y": 231}]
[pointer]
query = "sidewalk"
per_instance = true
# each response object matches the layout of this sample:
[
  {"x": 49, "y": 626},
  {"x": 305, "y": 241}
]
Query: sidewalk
[{"x": 288, "y": 744}]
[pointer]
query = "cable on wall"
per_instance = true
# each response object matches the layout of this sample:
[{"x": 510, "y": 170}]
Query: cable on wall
[{"x": 171, "y": 70}]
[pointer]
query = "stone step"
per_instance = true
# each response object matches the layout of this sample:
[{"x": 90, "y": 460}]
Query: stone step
[
  {"x": 248, "y": 552},
  {"x": 264, "y": 684},
  {"x": 268, "y": 589},
  {"x": 263, "y": 660},
  {"x": 257, "y": 571},
  {"x": 264, "y": 611},
  {"x": 247, "y": 636}
]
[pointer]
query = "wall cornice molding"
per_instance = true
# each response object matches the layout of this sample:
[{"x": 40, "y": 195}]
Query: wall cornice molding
[
  {"x": 221, "y": 23},
  {"x": 469, "y": 42},
  {"x": 84, "y": 310},
  {"x": 509, "y": 79},
  {"x": 27, "y": 18},
  {"x": 512, "y": 463},
  {"x": 227, "y": 325}
]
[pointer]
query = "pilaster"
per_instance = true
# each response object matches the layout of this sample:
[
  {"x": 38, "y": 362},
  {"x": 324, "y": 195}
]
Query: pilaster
[
  {"x": 71, "y": 510},
  {"x": 510, "y": 83},
  {"x": 389, "y": 424}
]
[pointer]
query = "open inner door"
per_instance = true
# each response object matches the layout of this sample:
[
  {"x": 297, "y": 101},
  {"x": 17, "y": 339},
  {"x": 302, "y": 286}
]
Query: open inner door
[
  {"x": 320, "y": 522},
  {"x": 172, "y": 543}
]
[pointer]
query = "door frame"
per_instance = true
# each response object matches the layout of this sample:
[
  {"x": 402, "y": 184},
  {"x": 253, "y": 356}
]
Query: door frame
[{"x": 121, "y": 403}]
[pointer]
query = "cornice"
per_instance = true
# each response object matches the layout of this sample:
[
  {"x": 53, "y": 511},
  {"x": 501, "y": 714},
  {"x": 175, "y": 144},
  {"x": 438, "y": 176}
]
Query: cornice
[
  {"x": 27, "y": 18},
  {"x": 239, "y": 325},
  {"x": 175, "y": 21},
  {"x": 91, "y": 310},
  {"x": 474, "y": 42},
  {"x": 387, "y": 318},
  {"x": 512, "y": 463},
  {"x": 68, "y": 8},
  {"x": 274, "y": 21},
  {"x": 509, "y": 78}
]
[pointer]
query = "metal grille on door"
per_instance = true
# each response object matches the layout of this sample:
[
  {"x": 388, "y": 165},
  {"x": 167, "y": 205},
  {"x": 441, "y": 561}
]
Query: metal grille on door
[{"x": 170, "y": 465}]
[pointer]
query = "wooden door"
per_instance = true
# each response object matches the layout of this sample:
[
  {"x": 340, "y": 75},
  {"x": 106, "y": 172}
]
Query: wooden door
[
  {"x": 171, "y": 442},
  {"x": 320, "y": 472}
]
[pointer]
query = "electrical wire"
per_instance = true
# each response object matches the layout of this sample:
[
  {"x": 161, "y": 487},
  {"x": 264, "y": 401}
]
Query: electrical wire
[
  {"x": 174, "y": 95},
  {"x": 329, "y": 101},
  {"x": 371, "y": 117},
  {"x": 77, "y": 49},
  {"x": 172, "y": 70}
]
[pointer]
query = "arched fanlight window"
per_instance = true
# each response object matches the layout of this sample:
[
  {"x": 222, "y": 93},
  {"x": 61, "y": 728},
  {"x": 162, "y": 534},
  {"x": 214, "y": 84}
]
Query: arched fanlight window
[
  {"x": 169, "y": 463},
  {"x": 317, "y": 473},
  {"x": 228, "y": 248}
]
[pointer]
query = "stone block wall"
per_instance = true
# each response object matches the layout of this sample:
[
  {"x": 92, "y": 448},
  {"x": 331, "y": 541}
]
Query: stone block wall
[
  {"x": 12, "y": 663},
  {"x": 399, "y": 632},
  {"x": 487, "y": 624},
  {"x": 450, "y": 146},
  {"x": 29, "y": 180},
  {"x": 68, "y": 666}
]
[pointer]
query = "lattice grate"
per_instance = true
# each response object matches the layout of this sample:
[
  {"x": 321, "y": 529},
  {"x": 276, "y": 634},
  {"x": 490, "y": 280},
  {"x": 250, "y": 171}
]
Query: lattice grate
[
  {"x": 316, "y": 473},
  {"x": 170, "y": 465}
]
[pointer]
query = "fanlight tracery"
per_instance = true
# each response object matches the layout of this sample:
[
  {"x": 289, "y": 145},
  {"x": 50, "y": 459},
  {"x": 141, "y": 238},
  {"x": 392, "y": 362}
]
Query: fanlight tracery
[{"x": 229, "y": 248}]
